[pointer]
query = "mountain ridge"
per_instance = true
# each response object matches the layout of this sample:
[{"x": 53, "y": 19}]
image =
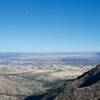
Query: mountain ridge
[{"x": 84, "y": 87}]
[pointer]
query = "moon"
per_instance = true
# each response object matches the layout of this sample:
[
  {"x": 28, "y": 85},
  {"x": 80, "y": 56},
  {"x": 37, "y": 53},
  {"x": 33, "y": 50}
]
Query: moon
[{"x": 26, "y": 10}]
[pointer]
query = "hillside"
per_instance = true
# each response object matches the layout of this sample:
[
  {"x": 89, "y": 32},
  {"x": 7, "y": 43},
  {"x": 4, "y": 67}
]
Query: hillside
[
  {"x": 16, "y": 83},
  {"x": 85, "y": 87}
]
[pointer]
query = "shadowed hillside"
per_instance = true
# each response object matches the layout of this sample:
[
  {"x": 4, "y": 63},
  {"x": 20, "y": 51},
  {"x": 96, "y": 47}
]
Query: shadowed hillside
[{"x": 85, "y": 87}]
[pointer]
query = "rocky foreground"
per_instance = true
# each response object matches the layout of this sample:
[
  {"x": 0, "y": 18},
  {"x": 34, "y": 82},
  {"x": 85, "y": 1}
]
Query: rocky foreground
[{"x": 84, "y": 87}]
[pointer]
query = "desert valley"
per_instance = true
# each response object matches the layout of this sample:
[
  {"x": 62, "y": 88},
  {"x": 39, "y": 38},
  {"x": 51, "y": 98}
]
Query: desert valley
[{"x": 22, "y": 75}]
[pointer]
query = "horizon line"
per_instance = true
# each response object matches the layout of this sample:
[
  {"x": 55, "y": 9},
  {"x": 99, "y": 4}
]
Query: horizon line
[{"x": 67, "y": 52}]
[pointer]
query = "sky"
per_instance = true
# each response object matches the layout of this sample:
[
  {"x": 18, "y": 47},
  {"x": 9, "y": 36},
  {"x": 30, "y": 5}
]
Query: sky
[{"x": 49, "y": 26}]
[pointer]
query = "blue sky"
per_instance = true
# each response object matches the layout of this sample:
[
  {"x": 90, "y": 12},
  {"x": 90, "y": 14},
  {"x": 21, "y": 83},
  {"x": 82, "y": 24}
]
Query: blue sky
[{"x": 49, "y": 25}]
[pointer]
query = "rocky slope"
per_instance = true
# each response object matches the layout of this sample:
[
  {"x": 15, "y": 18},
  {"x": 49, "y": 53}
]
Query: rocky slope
[
  {"x": 85, "y": 87},
  {"x": 18, "y": 82}
]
